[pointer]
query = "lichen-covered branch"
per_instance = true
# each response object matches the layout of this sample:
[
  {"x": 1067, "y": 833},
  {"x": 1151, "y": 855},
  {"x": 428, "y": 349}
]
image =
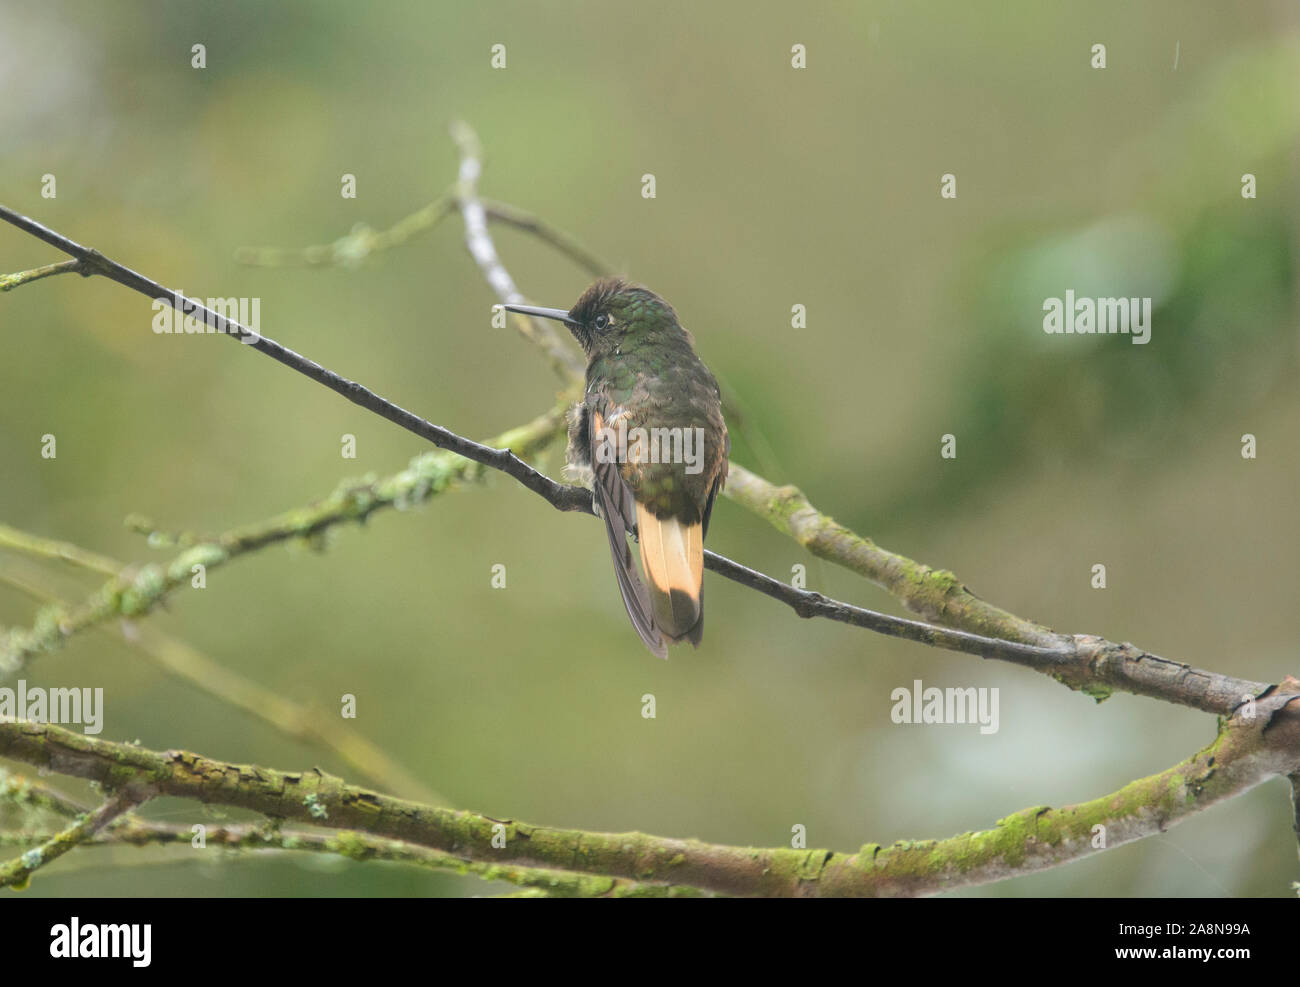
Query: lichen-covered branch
[
  {"x": 135, "y": 591},
  {"x": 1092, "y": 664},
  {"x": 1247, "y": 751},
  {"x": 23, "y": 792},
  {"x": 261, "y": 838},
  {"x": 8, "y": 282},
  {"x": 933, "y": 594},
  {"x": 18, "y": 871}
]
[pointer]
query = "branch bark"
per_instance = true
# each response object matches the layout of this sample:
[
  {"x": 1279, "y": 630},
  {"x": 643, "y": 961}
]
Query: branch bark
[
  {"x": 354, "y": 845},
  {"x": 1246, "y": 752}
]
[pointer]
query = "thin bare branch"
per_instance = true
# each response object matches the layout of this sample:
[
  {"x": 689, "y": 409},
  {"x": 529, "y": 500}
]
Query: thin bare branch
[
  {"x": 530, "y": 223},
  {"x": 562, "y": 355}
]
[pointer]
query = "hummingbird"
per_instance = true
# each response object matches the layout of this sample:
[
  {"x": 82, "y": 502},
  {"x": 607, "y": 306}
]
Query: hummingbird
[{"x": 650, "y": 431}]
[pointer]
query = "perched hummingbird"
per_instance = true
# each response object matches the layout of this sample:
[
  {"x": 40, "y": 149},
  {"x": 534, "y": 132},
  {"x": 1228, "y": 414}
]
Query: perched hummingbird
[{"x": 650, "y": 429}]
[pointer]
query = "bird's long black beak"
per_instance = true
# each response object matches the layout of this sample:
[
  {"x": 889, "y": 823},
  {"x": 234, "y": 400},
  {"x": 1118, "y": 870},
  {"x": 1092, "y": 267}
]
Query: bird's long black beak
[{"x": 558, "y": 314}]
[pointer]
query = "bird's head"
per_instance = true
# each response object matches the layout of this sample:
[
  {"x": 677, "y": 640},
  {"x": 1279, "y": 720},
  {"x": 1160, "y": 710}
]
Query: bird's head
[{"x": 612, "y": 314}]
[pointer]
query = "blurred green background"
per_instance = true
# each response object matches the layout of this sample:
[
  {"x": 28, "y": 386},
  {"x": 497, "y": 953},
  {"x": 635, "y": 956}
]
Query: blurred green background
[{"x": 775, "y": 187}]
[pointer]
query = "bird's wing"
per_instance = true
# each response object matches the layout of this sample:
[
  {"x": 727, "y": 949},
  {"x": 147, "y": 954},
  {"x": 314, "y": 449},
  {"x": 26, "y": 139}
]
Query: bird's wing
[
  {"x": 720, "y": 481},
  {"x": 618, "y": 506}
]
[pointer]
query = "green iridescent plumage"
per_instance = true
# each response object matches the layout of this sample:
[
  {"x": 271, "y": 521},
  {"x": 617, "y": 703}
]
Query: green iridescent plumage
[
  {"x": 644, "y": 363},
  {"x": 651, "y": 429}
]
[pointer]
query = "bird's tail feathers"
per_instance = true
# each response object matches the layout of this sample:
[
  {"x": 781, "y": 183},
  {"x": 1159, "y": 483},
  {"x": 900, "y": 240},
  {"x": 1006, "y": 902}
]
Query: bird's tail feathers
[{"x": 672, "y": 558}]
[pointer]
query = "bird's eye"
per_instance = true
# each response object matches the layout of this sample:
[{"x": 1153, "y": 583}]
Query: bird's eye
[{"x": 601, "y": 323}]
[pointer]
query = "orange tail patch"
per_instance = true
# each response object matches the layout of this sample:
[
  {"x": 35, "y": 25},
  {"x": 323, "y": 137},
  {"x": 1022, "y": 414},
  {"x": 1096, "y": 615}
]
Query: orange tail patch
[{"x": 672, "y": 557}]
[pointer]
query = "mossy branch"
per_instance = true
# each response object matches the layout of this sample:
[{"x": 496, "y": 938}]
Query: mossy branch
[
  {"x": 8, "y": 282},
  {"x": 18, "y": 871},
  {"x": 135, "y": 591},
  {"x": 262, "y": 838},
  {"x": 1247, "y": 751},
  {"x": 1090, "y": 664},
  {"x": 26, "y": 794}
]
